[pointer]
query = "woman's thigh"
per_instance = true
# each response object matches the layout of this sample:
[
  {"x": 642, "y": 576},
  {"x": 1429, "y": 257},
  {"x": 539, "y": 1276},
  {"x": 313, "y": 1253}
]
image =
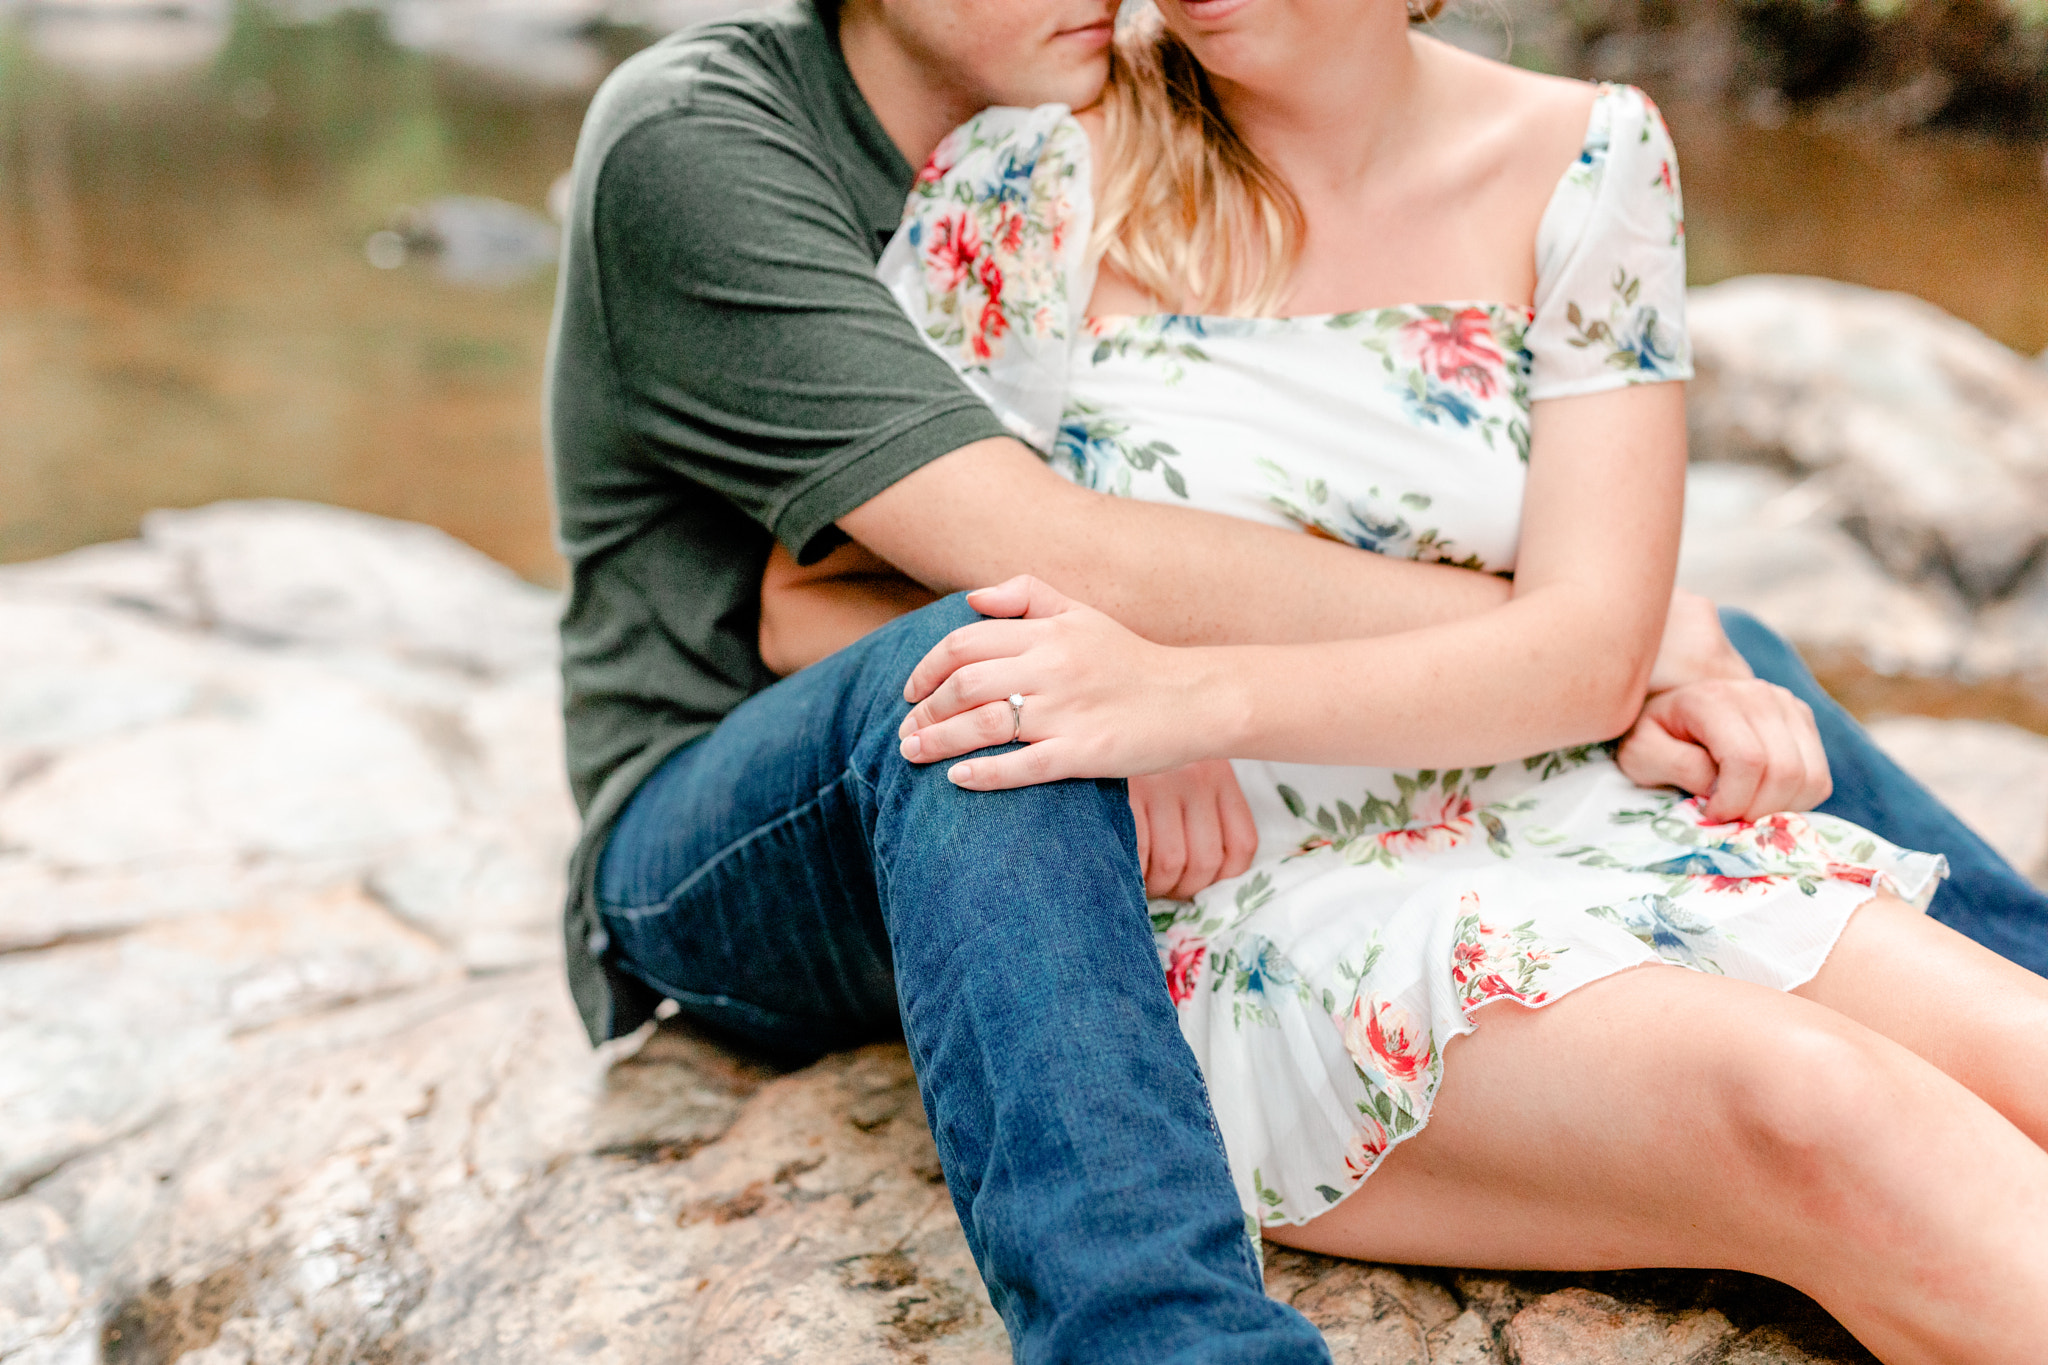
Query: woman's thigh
[
  {"x": 1955, "y": 1003},
  {"x": 1668, "y": 1118}
]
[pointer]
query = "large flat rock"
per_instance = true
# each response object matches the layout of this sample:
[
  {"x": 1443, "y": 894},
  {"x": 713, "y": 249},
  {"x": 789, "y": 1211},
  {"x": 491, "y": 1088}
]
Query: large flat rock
[
  {"x": 289, "y": 1074},
  {"x": 1873, "y": 478}
]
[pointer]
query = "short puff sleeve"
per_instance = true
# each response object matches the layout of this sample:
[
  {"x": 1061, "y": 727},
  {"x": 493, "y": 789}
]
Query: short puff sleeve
[
  {"x": 992, "y": 264},
  {"x": 1610, "y": 260}
]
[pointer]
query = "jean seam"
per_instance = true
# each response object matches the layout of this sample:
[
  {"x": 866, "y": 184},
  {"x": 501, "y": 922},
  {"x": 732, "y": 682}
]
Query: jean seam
[
  {"x": 674, "y": 992},
  {"x": 632, "y": 913}
]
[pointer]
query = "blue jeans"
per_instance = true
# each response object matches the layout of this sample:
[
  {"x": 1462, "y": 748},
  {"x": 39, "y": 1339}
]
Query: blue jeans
[
  {"x": 791, "y": 882},
  {"x": 1984, "y": 898}
]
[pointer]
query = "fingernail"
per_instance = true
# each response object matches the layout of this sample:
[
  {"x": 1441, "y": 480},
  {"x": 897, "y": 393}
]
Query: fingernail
[
  {"x": 912, "y": 747},
  {"x": 959, "y": 773}
]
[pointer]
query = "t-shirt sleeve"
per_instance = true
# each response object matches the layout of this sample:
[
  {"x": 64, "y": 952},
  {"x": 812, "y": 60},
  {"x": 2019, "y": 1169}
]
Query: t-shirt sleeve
[
  {"x": 992, "y": 263},
  {"x": 1610, "y": 260},
  {"x": 756, "y": 353}
]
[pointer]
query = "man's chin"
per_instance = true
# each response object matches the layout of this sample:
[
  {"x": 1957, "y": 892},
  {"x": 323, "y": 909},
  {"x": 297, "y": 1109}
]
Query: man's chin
[{"x": 1077, "y": 87}]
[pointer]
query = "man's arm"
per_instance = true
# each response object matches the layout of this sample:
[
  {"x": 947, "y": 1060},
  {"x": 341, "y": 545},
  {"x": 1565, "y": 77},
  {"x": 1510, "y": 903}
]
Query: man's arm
[{"x": 993, "y": 509}]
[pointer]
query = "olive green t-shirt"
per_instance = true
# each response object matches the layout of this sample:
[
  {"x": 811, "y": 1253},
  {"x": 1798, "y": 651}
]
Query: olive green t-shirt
[{"x": 724, "y": 372}]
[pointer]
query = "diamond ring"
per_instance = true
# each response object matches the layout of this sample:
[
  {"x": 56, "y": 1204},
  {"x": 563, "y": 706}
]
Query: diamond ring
[{"x": 1016, "y": 700}]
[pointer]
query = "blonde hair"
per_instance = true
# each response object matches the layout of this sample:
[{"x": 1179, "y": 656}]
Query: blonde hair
[{"x": 1187, "y": 210}]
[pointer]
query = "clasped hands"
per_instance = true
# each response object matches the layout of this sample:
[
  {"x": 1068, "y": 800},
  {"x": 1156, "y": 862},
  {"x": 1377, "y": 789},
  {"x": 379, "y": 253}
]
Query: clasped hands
[{"x": 1709, "y": 727}]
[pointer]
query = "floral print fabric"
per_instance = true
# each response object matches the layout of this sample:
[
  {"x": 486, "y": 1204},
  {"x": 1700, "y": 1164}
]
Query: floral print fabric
[{"x": 1385, "y": 909}]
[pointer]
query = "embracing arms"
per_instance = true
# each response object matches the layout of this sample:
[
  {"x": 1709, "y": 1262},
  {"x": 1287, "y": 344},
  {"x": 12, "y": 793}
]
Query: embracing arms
[{"x": 1567, "y": 659}]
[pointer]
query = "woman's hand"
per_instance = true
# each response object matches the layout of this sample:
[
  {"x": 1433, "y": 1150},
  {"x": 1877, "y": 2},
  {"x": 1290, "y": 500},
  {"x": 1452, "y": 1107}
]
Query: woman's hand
[
  {"x": 1194, "y": 828},
  {"x": 1098, "y": 700}
]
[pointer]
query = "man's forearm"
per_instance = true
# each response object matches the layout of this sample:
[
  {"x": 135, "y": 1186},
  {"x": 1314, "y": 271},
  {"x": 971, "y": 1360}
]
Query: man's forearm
[{"x": 1172, "y": 574}]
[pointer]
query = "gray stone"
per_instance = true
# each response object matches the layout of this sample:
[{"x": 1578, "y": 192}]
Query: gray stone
[
  {"x": 1928, "y": 439},
  {"x": 1576, "y": 1326},
  {"x": 1994, "y": 776}
]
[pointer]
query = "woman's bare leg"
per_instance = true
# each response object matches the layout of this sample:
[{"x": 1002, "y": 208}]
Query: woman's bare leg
[
  {"x": 1667, "y": 1118},
  {"x": 1959, "y": 1005}
]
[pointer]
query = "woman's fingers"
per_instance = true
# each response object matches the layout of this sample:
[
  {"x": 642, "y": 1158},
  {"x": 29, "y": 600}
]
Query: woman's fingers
[
  {"x": 979, "y": 643},
  {"x": 1023, "y": 595},
  {"x": 980, "y": 727},
  {"x": 1052, "y": 761}
]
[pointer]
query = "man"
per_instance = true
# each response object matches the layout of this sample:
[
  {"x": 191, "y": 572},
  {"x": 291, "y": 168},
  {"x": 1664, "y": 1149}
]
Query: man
[{"x": 726, "y": 376}]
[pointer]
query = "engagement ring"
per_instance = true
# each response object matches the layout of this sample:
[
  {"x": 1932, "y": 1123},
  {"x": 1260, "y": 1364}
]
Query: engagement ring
[{"x": 1016, "y": 700}]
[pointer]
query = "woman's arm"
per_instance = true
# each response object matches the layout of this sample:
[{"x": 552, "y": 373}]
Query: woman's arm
[{"x": 1566, "y": 660}]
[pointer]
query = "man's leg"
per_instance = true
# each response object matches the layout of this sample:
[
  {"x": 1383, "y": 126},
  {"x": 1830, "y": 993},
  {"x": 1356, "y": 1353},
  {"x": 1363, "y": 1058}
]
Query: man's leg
[
  {"x": 1984, "y": 898},
  {"x": 772, "y": 875}
]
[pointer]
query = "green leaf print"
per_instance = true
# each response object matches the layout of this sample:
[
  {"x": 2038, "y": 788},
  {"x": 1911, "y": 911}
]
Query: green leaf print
[
  {"x": 1254, "y": 893},
  {"x": 1292, "y": 798},
  {"x": 1560, "y": 760},
  {"x": 1329, "y": 1195},
  {"x": 1098, "y": 452}
]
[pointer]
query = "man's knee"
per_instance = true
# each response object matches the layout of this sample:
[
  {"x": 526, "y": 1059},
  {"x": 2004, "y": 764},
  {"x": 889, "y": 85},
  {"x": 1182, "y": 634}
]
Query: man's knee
[{"x": 1769, "y": 655}]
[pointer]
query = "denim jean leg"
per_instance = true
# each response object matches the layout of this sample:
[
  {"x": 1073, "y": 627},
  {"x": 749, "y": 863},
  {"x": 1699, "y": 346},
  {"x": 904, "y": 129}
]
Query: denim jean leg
[
  {"x": 1069, "y": 1113},
  {"x": 1983, "y": 898}
]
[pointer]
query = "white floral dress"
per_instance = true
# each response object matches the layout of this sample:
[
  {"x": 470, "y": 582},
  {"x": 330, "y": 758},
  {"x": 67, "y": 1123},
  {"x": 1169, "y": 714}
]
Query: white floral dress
[{"x": 1320, "y": 989}]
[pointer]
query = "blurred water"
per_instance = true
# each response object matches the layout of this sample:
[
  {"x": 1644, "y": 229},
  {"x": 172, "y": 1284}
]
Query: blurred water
[{"x": 302, "y": 251}]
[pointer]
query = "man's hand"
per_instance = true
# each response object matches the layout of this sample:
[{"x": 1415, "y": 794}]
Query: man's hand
[
  {"x": 1194, "y": 828},
  {"x": 1695, "y": 648},
  {"x": 1745, "y": 746},
  {"x": 1711, "y": 728}
]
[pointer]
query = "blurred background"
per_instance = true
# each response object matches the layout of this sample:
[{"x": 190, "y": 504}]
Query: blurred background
[{"x": 303, "y": 248}]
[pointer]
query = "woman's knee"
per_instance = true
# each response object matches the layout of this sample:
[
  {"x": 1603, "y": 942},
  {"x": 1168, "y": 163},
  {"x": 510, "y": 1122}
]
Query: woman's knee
[{"x": 1812, "y": 1110}]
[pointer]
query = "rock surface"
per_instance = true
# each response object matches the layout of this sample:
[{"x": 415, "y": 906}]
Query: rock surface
[
  {"x": 1872, "y": 477},
  {"x": 1923, "y": 437},
  {"x": 288, "y": 1073}
]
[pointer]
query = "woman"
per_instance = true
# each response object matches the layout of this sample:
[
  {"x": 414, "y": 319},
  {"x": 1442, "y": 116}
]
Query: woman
[{"x": 1208, "y": 291}]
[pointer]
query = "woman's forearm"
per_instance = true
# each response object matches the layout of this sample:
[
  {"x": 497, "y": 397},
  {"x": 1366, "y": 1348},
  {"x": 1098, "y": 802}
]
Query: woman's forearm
[{"x": 1546, "y": 671}]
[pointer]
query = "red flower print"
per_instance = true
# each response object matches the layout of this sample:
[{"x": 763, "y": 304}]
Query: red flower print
[
  {"x": 1664, "y": 177},
  {"x": 1850, "y": 872},
  {"x": 956, "y": 241},
  {"x": 1381, "y": 1033},
  {"x": 1458, "y": 350},
  {"x": 1010, "y": 233},
  {"x": 1714, "y": 881},
  {"x": 1497, "y": 987},
  {"x": 1778, "y": 833},
  {"x": 1368, "y": 1145},
  {"x": 1451, "y": 826},
  {"x": 1183, "y": 967},
  {"x": 991, "y": 324},
  {"x": 1466, "y": 958},
  {"x": 943, "y": 157}
]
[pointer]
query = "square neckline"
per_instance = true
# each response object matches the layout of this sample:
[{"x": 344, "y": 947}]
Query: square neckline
[{"x": 1108, "y": 323}]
